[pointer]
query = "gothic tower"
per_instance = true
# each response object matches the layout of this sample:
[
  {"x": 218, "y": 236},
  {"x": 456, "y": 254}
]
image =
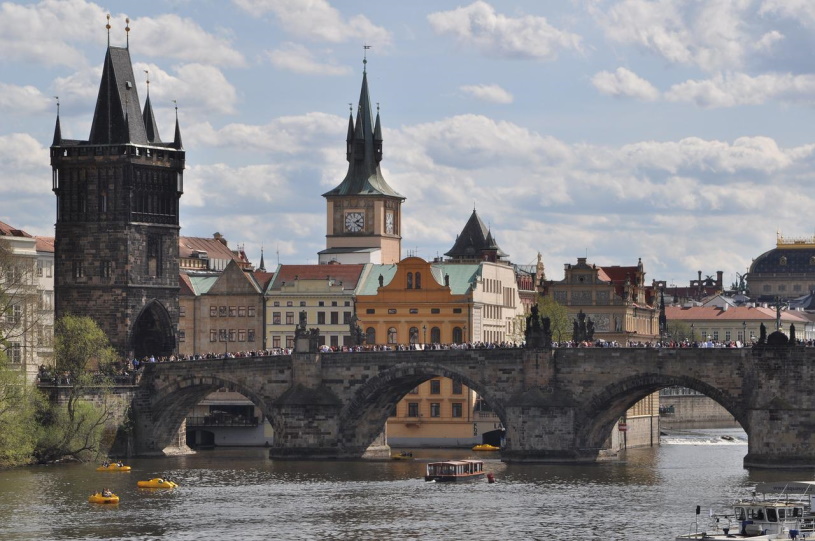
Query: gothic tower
[
  {"x": 116, "y": 245},
  {"x": 364, "y": 216}
]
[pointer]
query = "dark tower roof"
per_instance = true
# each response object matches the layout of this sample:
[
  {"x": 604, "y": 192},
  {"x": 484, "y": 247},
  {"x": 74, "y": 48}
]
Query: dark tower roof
[
  {"x": 57, "y": 134},
  {"x": 364, "y": 153},
  {"x": 118, "y": 118},
  {"x": 476, "y": 242},
  {"x": 149, "y": 118},
  {"x": 177, "y": 138}
]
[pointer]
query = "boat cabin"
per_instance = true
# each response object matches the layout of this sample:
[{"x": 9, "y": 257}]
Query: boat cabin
[{"x": 454, "y": 470}]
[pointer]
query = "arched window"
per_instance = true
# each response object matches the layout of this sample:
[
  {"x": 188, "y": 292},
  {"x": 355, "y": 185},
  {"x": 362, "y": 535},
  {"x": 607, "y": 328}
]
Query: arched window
[
  {"x": 457, "y": 335},
  {"x": 435, "y": 335},
  {"x": 370, "y": 336},
  {"x": 418, "y": 280},
  {"x": 410, "y": 280},
  {"x": 414, "y": 335},
  {"x": 392, "y": 335}
]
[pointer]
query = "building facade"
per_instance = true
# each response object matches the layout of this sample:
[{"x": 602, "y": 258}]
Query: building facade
[
  {"x": 117, "y": 194},
  {"x": 785, "y": 272}
]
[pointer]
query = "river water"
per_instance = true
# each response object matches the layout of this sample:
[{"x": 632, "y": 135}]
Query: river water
[{"x": 240, "y": 494}]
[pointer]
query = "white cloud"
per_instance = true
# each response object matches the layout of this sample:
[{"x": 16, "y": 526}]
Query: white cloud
[
  {"x": 297, "y": 58},
  {"x": 734, "y": 89},
  {"x": 492, "y": 93},
  {"x": 23, "y": 99},
  {"x": 624, "y": 82},
  {"x": 318, "y": 20},
  {"x": 802, "y": 11},
  {"x": 197, "y": 86},
  {"x": 478, "y": 25}
]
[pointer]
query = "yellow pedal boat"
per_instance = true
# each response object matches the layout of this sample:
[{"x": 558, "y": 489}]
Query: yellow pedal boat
[
  {"x": 403, "y": 456},
  {"x": 486, "y": 447},
  {"x": 98, "y": 498},
  {"x": 115, "y": 466},
  {"x": 157, "y": 482}
]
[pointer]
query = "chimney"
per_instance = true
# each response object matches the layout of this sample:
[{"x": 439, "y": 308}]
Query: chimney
[{"x": 719, "y": 278}]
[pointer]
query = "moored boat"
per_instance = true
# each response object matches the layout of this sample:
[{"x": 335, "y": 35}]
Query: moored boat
[
  {"x": 782, "y": 512},
  {"x": 102, "y": 498},
  {"x": 454, "y": 470},
  {"x": 157, "y": 482}
]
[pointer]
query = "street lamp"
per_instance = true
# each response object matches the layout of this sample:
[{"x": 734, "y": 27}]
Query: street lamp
[
  {"x": 744, "y": 332},
  {"x": 692, "y": 335},
  {"x": 424, "y": 331}
]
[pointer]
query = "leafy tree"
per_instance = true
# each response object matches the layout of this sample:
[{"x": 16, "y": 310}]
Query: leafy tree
[
  {"x": 76, "y": 426},
  {"x": 19, "y": 404},
  {"x": 679, "y": 331},
  {"x": 559, "y": 320}
]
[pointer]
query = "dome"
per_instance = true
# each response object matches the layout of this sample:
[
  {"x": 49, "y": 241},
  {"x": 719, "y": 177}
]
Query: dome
[{"x": 785, "y": 261}]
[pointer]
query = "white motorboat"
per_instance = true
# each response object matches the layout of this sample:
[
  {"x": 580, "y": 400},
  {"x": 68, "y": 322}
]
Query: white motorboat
[{"x": 782, "y": 511}]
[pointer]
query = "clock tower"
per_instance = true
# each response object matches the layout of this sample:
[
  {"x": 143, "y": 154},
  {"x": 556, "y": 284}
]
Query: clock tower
[{"x": 364, "y": 217}]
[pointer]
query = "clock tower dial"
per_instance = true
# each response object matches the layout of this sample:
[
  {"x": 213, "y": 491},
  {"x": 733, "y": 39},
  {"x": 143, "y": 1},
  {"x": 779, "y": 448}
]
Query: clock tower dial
[
  {"x": 389, "y": 223},
  {"x": 354, "y": 222}
]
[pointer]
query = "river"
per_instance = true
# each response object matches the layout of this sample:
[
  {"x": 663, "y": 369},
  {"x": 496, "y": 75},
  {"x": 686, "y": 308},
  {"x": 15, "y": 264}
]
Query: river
[{"x": 240, "y": 494}]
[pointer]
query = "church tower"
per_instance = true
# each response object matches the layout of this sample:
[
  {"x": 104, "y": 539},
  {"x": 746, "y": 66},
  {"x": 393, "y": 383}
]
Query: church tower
[
  {"x": 116, "y": 245},
  {"x": 364, "y": 216}
]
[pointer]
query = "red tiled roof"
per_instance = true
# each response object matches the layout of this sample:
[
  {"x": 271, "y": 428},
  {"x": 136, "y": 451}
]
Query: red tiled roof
[
  {"x": 215, "y": 249},
  {"x": 617, "y": 274},
  {"x": 263, "y": 278},
  {"x": 7, "y": 231},
  {"x": 347, "y": 274},
  {"x": 45, "y": 244},
  {"x": 185, "y": 286},
  {"x": 740, "y": 313}
]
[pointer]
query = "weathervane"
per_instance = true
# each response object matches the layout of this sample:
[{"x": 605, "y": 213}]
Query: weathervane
[
  {"x": 57, "y": 98},
  {"x": 147, "y": 74},
  {"x": 365, "y": 48},
  {"x": 108, "y": 27},
  {"x": 127, "y": 31}
]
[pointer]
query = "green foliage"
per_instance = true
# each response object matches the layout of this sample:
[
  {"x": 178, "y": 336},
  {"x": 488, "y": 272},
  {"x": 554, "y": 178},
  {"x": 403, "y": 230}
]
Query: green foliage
[
  {"x": 679, "y": 331},
  {"x": 80, "y": 345},
  {"x": 559, "y": 320},
  {"x": 19, "y": 404}
]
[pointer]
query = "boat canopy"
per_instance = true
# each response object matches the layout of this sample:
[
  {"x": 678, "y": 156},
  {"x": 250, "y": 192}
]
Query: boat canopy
[{"x": 787, "y": 487}]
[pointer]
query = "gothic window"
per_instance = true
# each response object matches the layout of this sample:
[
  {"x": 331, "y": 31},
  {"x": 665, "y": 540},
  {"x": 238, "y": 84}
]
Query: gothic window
[
  {"x": 370, "y": 335},
  {"x": 418, "y": 280},
  {"x": 392, "y": 335},
  {"x": 410, "y": 280},
  {"x": 435, "y": 335},
  {"x": 154, "y": 256}
]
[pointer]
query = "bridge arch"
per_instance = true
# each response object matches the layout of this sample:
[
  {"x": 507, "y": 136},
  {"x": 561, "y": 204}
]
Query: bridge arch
[
  {"x": 173, "y": 403},
  {"x": 363, "y": 417},
  {"x": 599, "y": 415}
]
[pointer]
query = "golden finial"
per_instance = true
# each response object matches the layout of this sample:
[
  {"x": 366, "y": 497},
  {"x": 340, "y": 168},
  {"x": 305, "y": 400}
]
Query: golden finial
[
  {"x": 127, "y": 30},
  {"x": 147, "y": 74},
  {"x": 108, "y": 27}
]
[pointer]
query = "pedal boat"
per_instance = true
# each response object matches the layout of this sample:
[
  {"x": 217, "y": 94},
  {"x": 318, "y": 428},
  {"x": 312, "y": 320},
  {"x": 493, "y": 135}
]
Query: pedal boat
[
  {"x": 113, "y": 467},
  {"x": 98, "y": 498},
  {"x": 157, "y": 482},
  {"x": 486, "y": 447}
]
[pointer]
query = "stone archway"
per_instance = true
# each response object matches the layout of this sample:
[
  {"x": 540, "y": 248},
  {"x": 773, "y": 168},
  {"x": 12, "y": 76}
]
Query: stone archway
[{"x": 153, "y": 332}]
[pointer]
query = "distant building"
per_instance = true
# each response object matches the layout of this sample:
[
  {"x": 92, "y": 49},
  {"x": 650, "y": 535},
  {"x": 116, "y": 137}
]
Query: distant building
[
  {"x": 786, "y": 272},
  {"x": 738, "y": 323},
  {"x": 696, "y": 291}
]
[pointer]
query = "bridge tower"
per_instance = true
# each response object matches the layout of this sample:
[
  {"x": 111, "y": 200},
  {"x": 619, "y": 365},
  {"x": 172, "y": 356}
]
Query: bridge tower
[{"x": 116, "y": 245}]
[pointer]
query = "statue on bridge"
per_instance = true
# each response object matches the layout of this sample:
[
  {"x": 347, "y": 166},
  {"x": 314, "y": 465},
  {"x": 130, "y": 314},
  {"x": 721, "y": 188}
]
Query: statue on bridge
[
  {"x": 305, "y": 340},
  {"x": 357, "y": 336},
  {"x": 538, "y": 330},
  {"x": 583, "y": 328}
]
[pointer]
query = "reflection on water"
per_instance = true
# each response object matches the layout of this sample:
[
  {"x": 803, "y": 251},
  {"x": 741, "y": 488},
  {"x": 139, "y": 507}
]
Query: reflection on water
[{"x": 241, "y": 494}]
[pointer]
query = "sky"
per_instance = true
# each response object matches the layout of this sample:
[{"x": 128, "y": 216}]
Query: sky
[{"x": 675, "y": 131}]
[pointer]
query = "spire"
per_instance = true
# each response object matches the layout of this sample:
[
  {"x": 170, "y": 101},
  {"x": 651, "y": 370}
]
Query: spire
[
  {"x": 262, "y": 267},
  {"x": 57, "y": 130},
  {"x": 177, "y": 138},
  {"x": 349, "y": 139},
  {"x": 117, "y": 117},
  {"x": 149, "y": 118},
  {"x": 364, "y": 151},
  {"x": 475, "y": 242}
]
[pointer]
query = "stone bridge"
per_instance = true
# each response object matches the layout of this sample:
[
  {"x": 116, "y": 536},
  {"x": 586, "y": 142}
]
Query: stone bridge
[{"x": 558, "y": 405}]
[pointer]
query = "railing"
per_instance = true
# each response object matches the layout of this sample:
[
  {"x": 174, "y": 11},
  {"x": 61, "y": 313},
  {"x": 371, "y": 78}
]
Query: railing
[{"x": 214, "y": 420}]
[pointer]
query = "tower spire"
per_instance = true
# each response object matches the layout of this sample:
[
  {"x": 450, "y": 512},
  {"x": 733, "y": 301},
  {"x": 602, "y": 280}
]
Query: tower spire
[
  {"x": 177, "y": 138},
  {"x": 57, "y": 130}
]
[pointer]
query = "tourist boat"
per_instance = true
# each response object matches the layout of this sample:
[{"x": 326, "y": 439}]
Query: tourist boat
[
  {"x": 782, "y": 512},
  {"x": 99, "y": 498},
  {"x": 454, "y": 470},
  {"x": 486, "y": 447},
  {"x": 404, "y": 455},
  {"x": 113, "y": 466},
  {"x": 157, "y": 482}
]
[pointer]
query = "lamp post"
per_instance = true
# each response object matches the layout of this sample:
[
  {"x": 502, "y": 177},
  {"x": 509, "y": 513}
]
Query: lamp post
[
  {"x": 692, "y": 335},
  {"x": 744, "y": 332},
  {"x": 424, "y": 331}
]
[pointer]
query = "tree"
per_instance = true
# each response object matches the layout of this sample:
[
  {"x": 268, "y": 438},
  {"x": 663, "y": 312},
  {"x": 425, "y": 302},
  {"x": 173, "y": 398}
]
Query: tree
[
  {"x": 19, "y": 404},
  {"x": 18, "y": 300},
  {"x": 679, "y": 331},
  {"x": 559, "y": 319},
  {"x": 76, "y": 426}
]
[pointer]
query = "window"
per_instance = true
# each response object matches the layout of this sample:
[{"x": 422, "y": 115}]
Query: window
[
  {"x": 456, "y": 409},
  {"x": 241, "y": 335},
  {"x": 435, "y": 310},
  {"x": 39, "y": 268},
  {"x": 250, "y": 311},
  {"x": 275, "y": 341},
  {"x": 321, "y": 303},
  {"x": 727, "y": 335},
  {"x": 435, "y": 335},
  {"x": 782, "y": 287},
  {"x": 105, "y": 269},
  {"x": 370, "y": 311},
  {"x": 418, "y": 280},
  {"x": 320, "y": 318},
  {"x": 391, "y": 310},
  {"x": 458, "y": 336},
  {"x": 276, "y": 303},
  {"x": 222, "y": 311},
  {"x": 302, "y": 303},
  {"x": 766, "y": 288},
  {"x": 414, "y": 310},
  {"x": 457, "y": 387},
  {"x": 335, "y": 341},
  {"x": 182, "y": 311},
  {"x": 49, "y": 265},
  {"x": 347, "y": 303},
  {"x": 435, "y": 409},
  {"x": 275, "y": 318},
  {"x": 410, "y": 280},
  {"x": 232, "y": 335},
  {"x": 435, "y": 386},
  {"x": 333, "y": 303},
  {"x": 250, "y": 335},
  {"x": 77, "y": 270},
  {"x": 289, "y": 342},
  {"x": 392, "y": 335},
  {"x": 182, "y": 336},
  {"x": 233, "y": 311},
  {"x": 413, "y": 409},
  {"x": 715, "y": 335},
  {"x": 335, "y": 318},
  {"x": 213, "y": 335},
  {"x": 15, "y": 315},
  {"x": 289, "y": 318},
  {"x": 241, "y": 311},
  {"x": 289, "y": 303},
  {"x": 414, "y": 335},
  {"x": 15, "y": 352},
  {"x": 222, "y": 336},
  {"x": 346, "y": 318},
  {"x": 456, "y": 310},
  {"x": 47, "y": 300},
  {"x": 370, "y": 335}
]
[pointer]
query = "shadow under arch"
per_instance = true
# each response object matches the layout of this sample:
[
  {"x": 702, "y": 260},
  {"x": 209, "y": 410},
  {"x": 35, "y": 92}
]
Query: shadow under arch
[
  {"x": 175, "y": 402},
  {"x": 152, "y": 332},
  {"x": 604, "y": 409},
  {"x": 363, "y": 417}
]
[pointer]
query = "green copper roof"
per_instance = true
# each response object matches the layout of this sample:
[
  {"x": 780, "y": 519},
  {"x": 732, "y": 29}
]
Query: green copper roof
[
  {"x": 461, "y": 275},
  {"x": 202, "y": 284},
  {"x": 370, "y": 281}
]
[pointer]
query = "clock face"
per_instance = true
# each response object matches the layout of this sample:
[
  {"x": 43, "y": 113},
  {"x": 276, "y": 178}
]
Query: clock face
[
  {"x": 354, "y": 222},
  {"x": 389, "y": 223}
]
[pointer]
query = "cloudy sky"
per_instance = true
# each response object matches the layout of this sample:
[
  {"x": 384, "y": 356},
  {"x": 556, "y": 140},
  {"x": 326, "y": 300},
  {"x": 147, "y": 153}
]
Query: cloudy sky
[{"x": 678, "y": 131}]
